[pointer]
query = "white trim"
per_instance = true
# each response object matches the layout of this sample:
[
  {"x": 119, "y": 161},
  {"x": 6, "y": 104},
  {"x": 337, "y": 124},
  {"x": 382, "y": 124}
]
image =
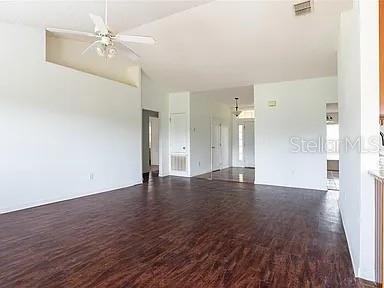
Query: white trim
[
  {"x": 179, "y": 174},
  {"x": 368, "y": 275},
  {"x": 38, "y": 204},
  {"x": 355, "y": 268}
]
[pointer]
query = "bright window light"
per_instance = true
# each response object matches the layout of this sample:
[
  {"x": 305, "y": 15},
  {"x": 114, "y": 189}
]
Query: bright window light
[
  {"x": 241, "y": 142},
  {"x": 332, "y": 141},
  {"x": 247, "y": 114},
  {"x": 150, "y": 135}
]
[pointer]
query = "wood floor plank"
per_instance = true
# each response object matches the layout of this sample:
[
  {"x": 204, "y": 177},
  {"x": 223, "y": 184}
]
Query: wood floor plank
[{"x": 179, "y": 232}]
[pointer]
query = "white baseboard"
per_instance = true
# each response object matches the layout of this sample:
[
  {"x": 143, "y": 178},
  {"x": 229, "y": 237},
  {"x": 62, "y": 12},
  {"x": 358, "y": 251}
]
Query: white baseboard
[
  {"x": 51, "y": 201},
  {"x": 367, "y": 275},
  {"x": 355, "y": 268}
]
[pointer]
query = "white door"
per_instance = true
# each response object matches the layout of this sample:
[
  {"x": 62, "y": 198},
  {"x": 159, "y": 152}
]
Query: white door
[
  {"x": 154, "y": 144},
  {"x": 249, "y": 143},
  {"x": 178, "y": 133},
  {"x": 178, "y": 144},
  {"x": 216, "y": 145}
]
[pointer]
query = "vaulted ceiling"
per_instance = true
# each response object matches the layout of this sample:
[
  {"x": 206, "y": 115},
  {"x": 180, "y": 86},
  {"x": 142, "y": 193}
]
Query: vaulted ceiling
[
  {"x": 205, "y": 45},
  {"x": 122, "y": 14}
]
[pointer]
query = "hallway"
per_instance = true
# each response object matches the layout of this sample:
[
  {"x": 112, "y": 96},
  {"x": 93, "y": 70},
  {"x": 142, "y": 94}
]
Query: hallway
[{"x": 179, "y": 232}]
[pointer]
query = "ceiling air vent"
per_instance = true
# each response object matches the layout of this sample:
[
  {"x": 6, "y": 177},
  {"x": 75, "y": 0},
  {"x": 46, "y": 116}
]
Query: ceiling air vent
[{"x": 302, "y": 7}]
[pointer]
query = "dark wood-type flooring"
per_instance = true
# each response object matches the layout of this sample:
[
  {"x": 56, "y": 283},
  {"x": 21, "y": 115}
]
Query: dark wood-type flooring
[
  {"x": 235, "y": 174},
  {"x": 333, "y": 180},
  {"x": 179, "y": 232}
]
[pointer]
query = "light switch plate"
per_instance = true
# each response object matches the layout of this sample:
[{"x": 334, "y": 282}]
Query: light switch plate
[{"x": 272, "y": 103}]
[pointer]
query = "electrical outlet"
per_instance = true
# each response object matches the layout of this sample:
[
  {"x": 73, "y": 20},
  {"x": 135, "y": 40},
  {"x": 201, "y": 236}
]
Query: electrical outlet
[
  {"x": 199, "y": 163},
  {"x": 91, "y": 176}
]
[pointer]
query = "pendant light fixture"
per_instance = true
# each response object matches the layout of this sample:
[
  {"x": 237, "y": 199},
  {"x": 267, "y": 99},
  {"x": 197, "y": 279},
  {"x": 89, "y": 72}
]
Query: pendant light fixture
[{"x": 236, "y": 112}]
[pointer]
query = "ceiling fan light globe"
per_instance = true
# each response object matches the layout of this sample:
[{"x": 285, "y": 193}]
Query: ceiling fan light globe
[
  {"x": 100, "y": 51},
  {"x": 112, "y": 52}
]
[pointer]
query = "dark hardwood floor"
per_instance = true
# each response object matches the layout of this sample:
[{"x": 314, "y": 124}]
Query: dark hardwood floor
[
  {"x": 333, "y": 180},
  {"x": 179, "y": 232}
]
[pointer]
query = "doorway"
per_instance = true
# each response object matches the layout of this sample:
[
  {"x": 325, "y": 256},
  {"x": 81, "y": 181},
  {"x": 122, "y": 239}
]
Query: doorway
[
  {"x": 154, "y": 144},
  {"x": 243, "y": 148},
  {"x": 219, "y": 144},
  {"x": 332, "y": 120},
  {"x": 150, "y": 144},
  {"x": 236, "y": 164},
  {"x": 216, "y": 145}
]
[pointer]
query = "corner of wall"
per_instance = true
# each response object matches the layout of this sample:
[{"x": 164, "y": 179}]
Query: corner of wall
[{"x": 354, "y": 266}]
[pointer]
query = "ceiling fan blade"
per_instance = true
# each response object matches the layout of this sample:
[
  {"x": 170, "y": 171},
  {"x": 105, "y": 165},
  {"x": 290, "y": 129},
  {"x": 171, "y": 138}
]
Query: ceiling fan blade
[
  {"x": 90, "y": 46},
  {"x": 73, "y": 32},
  {"x": 100, "y": 25},
  {"x": 136, "y": 39},
  {"x": 131, "y": 54}
]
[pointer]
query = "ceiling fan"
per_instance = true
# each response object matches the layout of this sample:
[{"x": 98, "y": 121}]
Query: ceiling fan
[{"x": 106, "y": 40}]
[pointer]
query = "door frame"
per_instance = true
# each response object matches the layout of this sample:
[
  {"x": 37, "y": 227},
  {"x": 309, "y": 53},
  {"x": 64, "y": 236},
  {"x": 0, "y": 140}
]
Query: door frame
[
  {"x": 147, "y": 113},
  {"x": 213, "y": 121},
  {"x": 151, "y": 120}
]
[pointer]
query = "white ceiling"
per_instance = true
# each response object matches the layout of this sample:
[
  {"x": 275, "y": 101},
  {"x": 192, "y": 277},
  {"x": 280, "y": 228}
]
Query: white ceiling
[
  {"x": 68, "y": 14},
  {"x": 206, "y": 45},
  {"x": 227, "y": 95},
  {"x": 237, "y": 43}
]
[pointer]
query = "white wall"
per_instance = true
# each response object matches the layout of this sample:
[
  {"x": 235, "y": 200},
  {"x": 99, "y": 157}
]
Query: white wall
[
  {"x": 350, "y": 126},
  {"x": 69, "y": 53},
  {"x": 370, "y": 113},
  {"x": 59, "y": 127},
  {"x": 300, "y": 112},
  {"x": 156, "y": 98},
  {"x": 358, "y": 77},
  {"x": 179, "y": 102},
  {"x": 200, "y": 135},
  {"x": 203, "y": 109}
]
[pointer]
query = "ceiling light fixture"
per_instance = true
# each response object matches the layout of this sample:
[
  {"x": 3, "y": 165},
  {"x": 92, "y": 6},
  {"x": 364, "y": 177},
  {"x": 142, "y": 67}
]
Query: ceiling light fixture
[
  {"x": 237, "y": 112},
  {"x": 107, "y": 42},
  {"x": 112, "y": 52},
  {"x": 100, "y": 49}
]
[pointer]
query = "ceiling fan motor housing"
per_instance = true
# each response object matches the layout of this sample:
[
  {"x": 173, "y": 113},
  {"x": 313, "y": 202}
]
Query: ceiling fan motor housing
[{"x": 106, "y": 40}]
